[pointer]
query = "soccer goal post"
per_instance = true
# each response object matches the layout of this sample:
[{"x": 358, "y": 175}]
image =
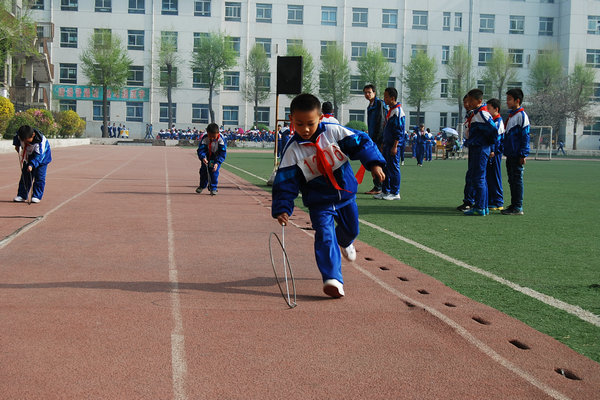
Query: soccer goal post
[{"x": 541, "y": 142}]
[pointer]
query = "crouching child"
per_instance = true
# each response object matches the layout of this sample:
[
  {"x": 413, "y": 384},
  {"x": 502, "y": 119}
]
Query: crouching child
[
  {"x": 212, "y": 151},
  {"x": 35, "y": 157}
]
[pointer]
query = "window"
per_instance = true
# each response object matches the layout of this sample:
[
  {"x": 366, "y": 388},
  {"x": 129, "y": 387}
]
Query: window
[
  {"x": 360, "y": 16},
  {"x": 517, "y": 25},
  {"x": 135, "y": 111},
  {"x": 412, "y": 118},
  {"x": 202, "y": 8},
  {"x": 103, "y": 6},
  {"x": 389, "y": 51},
  {"x": 389, "y": 19},
  {"x": 168, "y": 38},
  {"x": 101, "y": 35},
  {"x": 593, "y": 25},
  {"x": 264, "y": 81},
  {"x": 593, "y": 129},
  {"x": 164, "y": 77},
  {"x": 199, "y": 80},
  {"x": 266, "y": 45},
  {"x": 458, "y": 22},
  {"x": 443, "y": 120},
  {"x": 325, "y": 44},
  {"x": 420, "y": 20},
  {"x": 68, "y": 73},
  {"x": 485, "y": 87},
  {"x": 136, "y": 7},
  {"x": 264, "y": 12},
  {"x": 596, "y": 93},
  {"x": 231, "y": 80},
  {"x": 454, "y": 120},
  {"x": 97, "y": 110},
  {"x": 164, "y": 112},
  {"x": 136, "y": 75},
  {"x": 516, "y": 57},
  {"x": 391, "y": 82},
  {"x": 446, "y": 21},
  {"x": 231, "y": 115},
  {"x": 357, "y": 115},
  {"x": 592, "y": 58},
  {"x": 514, "y": 85},
  {"x": 329, "y": 16},
  {"x": 198, "y": 37},
  {"x": 37, "y": 5},
  {"x": 169, "y": 7},
  {"x": 233, "y": 11},
  {"x": 66, "y": 105},
  {"x": 444, "y": 88},
  {"x": 359, "y": 49},
  {"x": 135, "y": 40},
  {"x": 40, "y": 31},
  {"x": 356, "y": 84},
  {"x": 200, "y": 113},
  {"x": 293, "y": 42},
  {"x": 445, "y": 54},
  {"x": 286, "y": 113},
  {"x": 546, "y": 26},
  {"x": 68, "y": 5},
  {"x": 487, "y": 23},
  {"x": 547, "y": 1},
  {"x": 485, "y": 55},
  {"x": 235, "y": 44},
  {"x": 68, "y": 37},
  {"x": 295, "y": 15},
  {"x": 416, "y": 48},
  {"x": 263, "y": 115}
]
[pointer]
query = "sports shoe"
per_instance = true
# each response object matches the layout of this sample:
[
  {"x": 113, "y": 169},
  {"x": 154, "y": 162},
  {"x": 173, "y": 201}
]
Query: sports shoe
[
  {"x": 18, "y": 199},
  {"x": 512, "y": 211},
  {"x": 500, "y": 208},
  {"x": 199, "y": 189},
  {"x": 487, "y": 211},
  {"x": 419, "y": 165},
  {"x": 476, "y": 211},
  {"x": 333, "y": 288},
  {"x": 213, "y": 192},
  {"x": 390, "y": 196},
  {"x": 379, "y": 196},
  {"x": 402, "y": 163},
  {"x": 349, "y": 252},
  {"x": 35, "y": 200},
  {"x": 464, "y": 207},
  {"x": 373, "y": 191}
]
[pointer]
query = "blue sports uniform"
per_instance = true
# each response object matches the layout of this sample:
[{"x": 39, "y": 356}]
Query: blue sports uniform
[
  {"x": 36, "y": 154},
  {"x": 494, "y": 168},
  {"x": 214, "y": 151},
  {"x": 393, "y": 131},
  {"x": 420, "y": 141},
  {"x": 300, "y": 171},
  {"x": 516, "y": 146},
  {"x": 402, "y": 147},
  {"x": 429, "y": 140}
]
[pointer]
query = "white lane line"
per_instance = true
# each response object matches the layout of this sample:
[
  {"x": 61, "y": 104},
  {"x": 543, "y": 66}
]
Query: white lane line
[
  {"x": 246, "y": 172},
  {"x": 544, "y": 298},
  {"x": 178, "y": 362}
]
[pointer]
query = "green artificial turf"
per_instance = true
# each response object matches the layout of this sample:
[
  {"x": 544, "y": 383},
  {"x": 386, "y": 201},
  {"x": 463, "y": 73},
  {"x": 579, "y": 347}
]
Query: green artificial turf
[{"x": 553, "y": 248}]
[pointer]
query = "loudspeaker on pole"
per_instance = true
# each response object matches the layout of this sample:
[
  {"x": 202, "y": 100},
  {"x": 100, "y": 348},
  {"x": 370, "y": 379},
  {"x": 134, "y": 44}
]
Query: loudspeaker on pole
[{"x": 289, "y": 75}]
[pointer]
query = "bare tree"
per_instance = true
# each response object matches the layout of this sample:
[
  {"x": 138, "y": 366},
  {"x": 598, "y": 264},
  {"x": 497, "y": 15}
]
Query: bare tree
[
  {"x": 499, "y": 70},
  {"x": 335, "y": 76},
  {"x": 459, "y": 71},
  {"x": 257, "y": 87},
  {"x": 420, "y": 80}
]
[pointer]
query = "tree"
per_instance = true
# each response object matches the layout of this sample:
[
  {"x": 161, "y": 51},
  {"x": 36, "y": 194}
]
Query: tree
[
  {"x": 499, "y": 70},
  {"x": 257, "y": 78},
  {"x": 420, "y": 80},
  {"x": 167, "y": 62},
  {"x": 106, "y": 64},
  {"x": 459, "y": 71},
  {"x": 17, "y": 36},
  {"x": 335, "y": 76},
  {"x": 213, "y": 55},
  {"x": 581, "y": 88},
  {"x": 374, "y": 68},
  {"x": 308, "y": 66},
  {"x": 546, "y": 71}
]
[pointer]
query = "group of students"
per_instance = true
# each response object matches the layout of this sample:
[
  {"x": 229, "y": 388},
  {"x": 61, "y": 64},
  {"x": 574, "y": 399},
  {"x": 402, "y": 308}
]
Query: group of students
[{"x": 115, "y": 131}]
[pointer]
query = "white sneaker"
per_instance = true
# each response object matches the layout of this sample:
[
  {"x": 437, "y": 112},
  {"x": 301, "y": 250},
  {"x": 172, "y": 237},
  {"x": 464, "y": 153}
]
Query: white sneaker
[
  {"x": 35, "y": 200},
  {"x": 349, "y": 252},
  {"x": 390, "y": 196},
  {"x": 402, "y": 163},
  {"x": 18, "y": 199},
  {"x": 333, "y": 288},
  {"x": 379, "y": 196}
]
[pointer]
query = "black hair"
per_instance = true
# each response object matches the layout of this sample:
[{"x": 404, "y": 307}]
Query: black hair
[
  {"x": 327, "y": 107},
  {"x": 25, "y": 132},
  {"x": 392, "y": 92},
  {"x": 516, "y": 94},
  {"x": 305, "y": 102},
  {"x": 212, "y": 128},
  {"x": 476, "y": 94},
  {"x": 369, "y": 86},
  {"x": 494, "y": 103}
]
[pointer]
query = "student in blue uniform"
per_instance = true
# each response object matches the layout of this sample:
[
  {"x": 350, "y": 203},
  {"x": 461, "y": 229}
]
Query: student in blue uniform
[
  {"x": 516, "y": 149},
  {"x": 36, "y": 156},
  {"x": 402, "y": 147},
  {"x": 429, "y": 141},
  {"x": 327, "y": 115},
  {"x": 316, "y": 163},
  {"x": 420, "y": 141},
  {"x": 468, "y": 196},
  {"x": 494, "y": 166},
  {"x": 376, "y": 111},
  {"x": 212, "y": 151},
  {"x": 393, "y": 137},
  {"x": 482, "y": 133}
]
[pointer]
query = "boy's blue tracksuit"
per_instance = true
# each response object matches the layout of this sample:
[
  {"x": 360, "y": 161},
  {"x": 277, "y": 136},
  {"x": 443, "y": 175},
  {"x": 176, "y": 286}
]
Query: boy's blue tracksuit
[
  {"x": 36, "y": 154},
  {"x": 429, "y": 141},
  {"x": 402, "y": 147},
  {"x": 214, "y": 151},
  {"x": 420, "y": 141},
  {"x": 301, "y": 171},
  {"x": 516, "y": 146},
  {"x": 482, "y": 133},
  {"x": 494, "y": 168},
  {"x": 393, "y": 131}
]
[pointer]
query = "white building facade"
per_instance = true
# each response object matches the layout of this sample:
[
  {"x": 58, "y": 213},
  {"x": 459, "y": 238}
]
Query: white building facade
[{"x": 398, "y": 27}]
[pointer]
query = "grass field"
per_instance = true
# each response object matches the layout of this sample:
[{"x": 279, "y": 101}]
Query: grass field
[{"x": 554, "y": 248}]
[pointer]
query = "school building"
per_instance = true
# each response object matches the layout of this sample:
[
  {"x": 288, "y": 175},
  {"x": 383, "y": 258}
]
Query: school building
[{"x": 398, "y": 27}]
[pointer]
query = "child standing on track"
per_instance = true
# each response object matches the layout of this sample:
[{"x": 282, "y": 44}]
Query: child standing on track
[
  {"x": 316, "y": 163},
  {"x": 494, "y": 168},
  {"x": 36, "y": 156},
  {"x": 212, "y": 151}
]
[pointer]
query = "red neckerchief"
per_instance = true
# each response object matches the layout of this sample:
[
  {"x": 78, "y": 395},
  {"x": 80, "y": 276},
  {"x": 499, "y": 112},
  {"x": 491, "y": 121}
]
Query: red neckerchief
[
  {"x": 327, "y": 116},
  {"x": 470, "y": 117},
  {"x": 210, "y": 141},
  {"x": 323, "y": 165},
  {"x": 497, "y": 117},
  {"x": 392, "y": 109},
  {"x": 512, "y": 114}
]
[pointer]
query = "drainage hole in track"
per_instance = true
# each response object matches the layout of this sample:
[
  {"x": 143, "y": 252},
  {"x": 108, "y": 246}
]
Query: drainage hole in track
[
  {"x": 368, "y": 259},
  {"x": 403, "y": 279},
  {"x": 449, "y": 305},
  {"x": 409, "y": 304},
  {"x": 423, "y": 291},
  {"x": 519, "y": 344},
  {"x": 384, "y": 268},
  {"x": 481, "y": 321},
  {"x": 567, "y": 374}
]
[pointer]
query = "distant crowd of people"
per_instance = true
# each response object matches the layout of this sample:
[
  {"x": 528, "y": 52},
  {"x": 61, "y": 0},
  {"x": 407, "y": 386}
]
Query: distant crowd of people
[{"x": 237, "y": 134}]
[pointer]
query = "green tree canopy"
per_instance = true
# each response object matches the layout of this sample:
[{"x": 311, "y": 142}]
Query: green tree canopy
[
  {"x": 419, "y": 79},
  {"x": 335, "y": 76},
  {"x": 499, "y": 70},
  {"x": 375, "y": 69},
  {"x": 167, "y": 62},
  {"x": 459, "y": 71},
  {"x": 546, "y": 71},
  {"x": 257, "y": 87},
  {"x": 581, "y": 88},
  {"x": 308, "y": 66}
]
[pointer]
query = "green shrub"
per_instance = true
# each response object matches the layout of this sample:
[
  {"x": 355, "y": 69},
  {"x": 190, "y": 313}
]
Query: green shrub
[
  {"x": 20, "y": 119},
  {"x": 7, "y": 112},
  {"x": 357, "y": 125},
  {"x": 70, "y": 124},
  {"x": 44, "y": 121},
  {"x": 262, "y": 127}
]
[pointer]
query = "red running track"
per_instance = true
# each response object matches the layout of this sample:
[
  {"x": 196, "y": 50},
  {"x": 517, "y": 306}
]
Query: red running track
[{"x": 131, "y": 286}]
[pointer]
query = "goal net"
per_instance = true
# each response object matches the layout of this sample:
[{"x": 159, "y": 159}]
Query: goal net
[{"x": 541, "y": 142}]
